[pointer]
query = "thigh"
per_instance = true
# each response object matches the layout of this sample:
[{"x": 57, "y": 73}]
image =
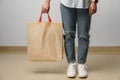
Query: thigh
[
  {"x": 83, "y": 21},
  {"x": 69, "y": 16}
]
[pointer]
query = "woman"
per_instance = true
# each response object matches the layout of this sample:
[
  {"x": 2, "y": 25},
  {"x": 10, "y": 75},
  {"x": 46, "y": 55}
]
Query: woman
[{"x": 80, "y": 12}]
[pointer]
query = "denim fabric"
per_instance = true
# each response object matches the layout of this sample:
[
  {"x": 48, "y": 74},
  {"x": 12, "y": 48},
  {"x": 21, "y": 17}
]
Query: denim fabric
[{"x": 71, "y": 17}]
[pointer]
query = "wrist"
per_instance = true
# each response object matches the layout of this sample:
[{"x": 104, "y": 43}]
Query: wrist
[
  {"x": 47, "y": 1},
  {"x": 93, "y": 2}
]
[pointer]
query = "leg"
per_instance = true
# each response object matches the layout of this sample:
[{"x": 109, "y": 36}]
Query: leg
[
  {"x": 69, "y": 25},
  {"x": 83, "y": 20}
]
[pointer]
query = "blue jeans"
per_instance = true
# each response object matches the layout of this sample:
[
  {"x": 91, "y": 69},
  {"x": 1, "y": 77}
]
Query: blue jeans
[{"x": 71, "y": 17}]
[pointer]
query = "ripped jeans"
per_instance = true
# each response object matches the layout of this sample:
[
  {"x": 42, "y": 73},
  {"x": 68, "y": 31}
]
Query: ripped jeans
[{"x": 71, "y": 17}]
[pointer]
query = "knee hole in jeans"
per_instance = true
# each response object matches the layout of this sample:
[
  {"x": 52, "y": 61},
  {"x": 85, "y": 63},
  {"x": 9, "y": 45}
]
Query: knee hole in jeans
[
  {"x": 69, "y": 35},
  {"x": 85, "y": 36}
]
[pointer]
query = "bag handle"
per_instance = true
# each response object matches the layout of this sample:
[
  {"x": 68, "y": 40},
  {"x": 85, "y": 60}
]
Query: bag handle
[{"x": 49, "y": 18}]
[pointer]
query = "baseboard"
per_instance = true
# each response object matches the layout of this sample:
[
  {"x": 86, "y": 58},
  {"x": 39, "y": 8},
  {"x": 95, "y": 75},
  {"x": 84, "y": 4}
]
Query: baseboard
[
  {"x": 91, "y": 48},
  {"x": 13, "y": 48},
  {"x": 104, "y": 48}
]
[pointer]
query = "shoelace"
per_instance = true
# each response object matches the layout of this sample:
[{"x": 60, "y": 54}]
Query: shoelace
[
  {"x": 71, "y": 67},
  {"x": 83, "y": 66}
]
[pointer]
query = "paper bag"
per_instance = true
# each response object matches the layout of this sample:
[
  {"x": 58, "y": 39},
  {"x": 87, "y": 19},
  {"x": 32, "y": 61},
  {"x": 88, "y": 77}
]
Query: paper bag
[{"x": 45, "y": 41}]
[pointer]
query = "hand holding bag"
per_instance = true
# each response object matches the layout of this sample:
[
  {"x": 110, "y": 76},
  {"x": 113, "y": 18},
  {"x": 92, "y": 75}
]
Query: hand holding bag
[{"x": 45, "y": 41}]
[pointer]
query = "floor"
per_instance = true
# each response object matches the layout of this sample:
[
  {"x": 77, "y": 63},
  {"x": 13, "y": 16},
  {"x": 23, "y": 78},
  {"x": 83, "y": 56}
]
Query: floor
[{"x": 102, "y": 65}]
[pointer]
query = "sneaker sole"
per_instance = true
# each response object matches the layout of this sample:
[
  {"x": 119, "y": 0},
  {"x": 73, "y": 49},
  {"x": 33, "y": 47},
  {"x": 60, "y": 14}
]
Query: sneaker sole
[
  {"x": 83, "y": 76},
  {"x": 71, "y": 76}
]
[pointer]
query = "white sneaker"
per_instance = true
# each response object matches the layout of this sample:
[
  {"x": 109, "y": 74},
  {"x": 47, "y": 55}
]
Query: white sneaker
[
  {"x": 71, "y": 71},
  {"x": 82, "y": 70}
]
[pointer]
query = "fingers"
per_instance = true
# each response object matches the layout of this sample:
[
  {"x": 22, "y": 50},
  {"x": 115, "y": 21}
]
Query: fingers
[
  {"x": 92, "y": 11},
  {"x": 92, "y": 8},
  {"x": 45, "y": 8}
]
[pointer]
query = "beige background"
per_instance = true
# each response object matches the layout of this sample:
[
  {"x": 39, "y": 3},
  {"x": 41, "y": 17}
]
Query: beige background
[{"x": 15, "y": 14}]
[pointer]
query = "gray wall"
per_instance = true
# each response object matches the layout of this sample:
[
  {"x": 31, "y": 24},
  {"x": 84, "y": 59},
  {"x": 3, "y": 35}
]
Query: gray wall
[{"x": 15, "y": 14}]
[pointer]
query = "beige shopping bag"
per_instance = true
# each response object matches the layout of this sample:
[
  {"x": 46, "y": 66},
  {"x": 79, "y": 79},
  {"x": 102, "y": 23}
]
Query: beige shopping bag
[{"x": 45, "y": 41}]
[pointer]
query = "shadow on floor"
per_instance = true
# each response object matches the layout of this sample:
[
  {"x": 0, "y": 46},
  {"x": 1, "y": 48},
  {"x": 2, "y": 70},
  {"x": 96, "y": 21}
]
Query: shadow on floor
[{"x": 54, "y": 68}]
